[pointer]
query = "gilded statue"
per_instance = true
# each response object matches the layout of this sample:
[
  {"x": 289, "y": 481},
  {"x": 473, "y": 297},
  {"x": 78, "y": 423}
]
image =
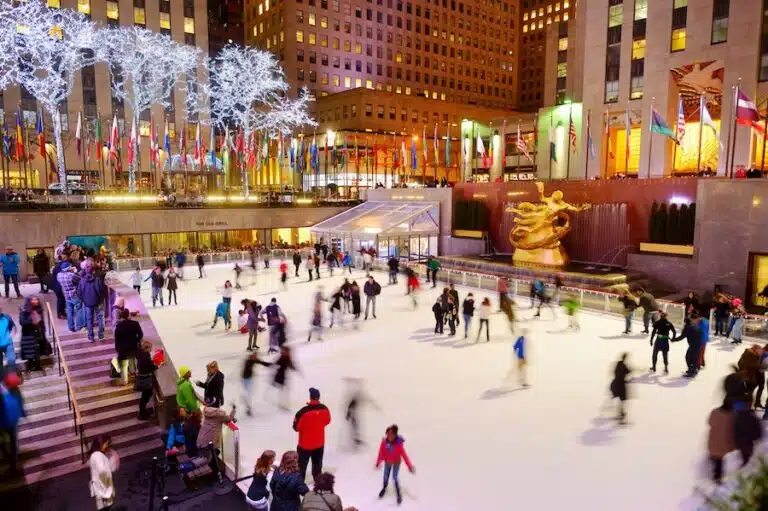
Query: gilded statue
[{"x": 540, "y": 227}]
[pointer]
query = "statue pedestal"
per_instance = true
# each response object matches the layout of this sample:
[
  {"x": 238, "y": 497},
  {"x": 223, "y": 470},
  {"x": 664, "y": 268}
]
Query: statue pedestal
[{"x": 552, "y": 257}]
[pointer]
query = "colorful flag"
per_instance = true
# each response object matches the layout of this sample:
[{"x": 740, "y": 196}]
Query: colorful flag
[
  {"x": 88, "y": 143},
  {"x": 680, "y": 120},
  {"x": 746, "y": 112},
  {"x": 19, "y": 136},
  {"x": 628, "y": 131},
  {"x": 97, "y": 134},
  {"x": 315, "y": 158},
  {"x": 292, "y": 153},
  {"x": 403, "y": 154},
  {"x": 343, "y": 158},
  {"x": 79, "y": 134},
  {"x": 448, "y": 146},
  {"x": 41, "y": 134},
  {"x": 183, "y": 145},
  {"x": 608, "y": 134},
  {"x": 481, "y": 151},
  {"x": 167, "y": 139},
  {"x": 424, "y": 144},
  {"x": 660, "y": 126},
  {"x": 590, "y": 142},
  {"x": 436, "y": 145},
  {"x": 198, "y": 148},
  {"x": 212, "y": 151},
  {"x": 552, "y": 144},
  {"x": 521, "y": 145},
  {"x": 113, "y": 136},
  {"x": 239, "y": 143},
  {"x": 413, "y": 153},
  {"x": 6, "y": 141},
  {"x": 706, "y": 119},
  {"x": 572, "y": 134},
  {"x": 131, "y": 143},
  {"x": 503, "y": 141}
]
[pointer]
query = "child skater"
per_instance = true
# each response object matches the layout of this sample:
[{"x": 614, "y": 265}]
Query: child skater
[
  {"x": 238, "y": 271},
  {"x": 283, "y": 273},
  {"x": 571, "y": 306},
  {"x": 619, "y": 387},
  {"x": 316, "y": 325},
  {"x": 392, "y": 453},
  {"x": 521, "y": 352},
  {"x": 222, "y": 311}
]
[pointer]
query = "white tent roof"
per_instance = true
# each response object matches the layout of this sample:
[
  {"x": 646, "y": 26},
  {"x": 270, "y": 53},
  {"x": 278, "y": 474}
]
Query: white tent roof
[{"x": 383, "y": 218}]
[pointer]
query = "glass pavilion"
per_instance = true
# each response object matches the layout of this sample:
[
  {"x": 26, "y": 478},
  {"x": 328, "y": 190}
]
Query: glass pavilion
[{"x": 406, "y": 230}]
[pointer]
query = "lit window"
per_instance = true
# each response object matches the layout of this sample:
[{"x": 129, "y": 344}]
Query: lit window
[
  {"x": 335, "y": 80},
  {"x": 641, "y": 9},
  {"x": 324, "y": 41},
  {"x": 347, "y": 46},
  {"x": 541, "y": 23},
  {"x": 312, "y": 38},
  {"x": 615, "y": 15},
  {"x": 324, "y": 78},
  {"x": 139, "y": 16},
  {"x": 525, "y": 16},
  {"x": 398, "y": 57},
  {"x": 54, "y": 4},
  {"x": 549, "y": 21},
  {"x": 323, "y": 22},
  {"x": 165, "y": 20},
  {"x": 533, "y": 26},
  {"x": 678, "y": 39},
  {"x": 680, "y": 3},
  {"x": 399, "y": 89},
  {"x": 369, "y": 84},
  {"x": 312, "y": 19},
  {"x": 84, "y": 6},
  {"x": 533, "y": 15},
  {"x": 557, "y": 6},
  {"x": 269, "y": 45},
  {"x": 434, "y": 94},
  {"x": 266, "y": 5},
  {"x": 549, "y": 9},
  {"x": 299, "y": 36},
  {"x": 189, "y": 25},
  {"x": 638, "y": 49},
  {"x": 557, "y": 18},
  {"x": 719, "y": 30},
  {"x": 358, "y": 48},
  {"x": 562, "y": 70},
  {"x": 282, "y": 36},
  {"x": 358, "y": 82},
  {"x": 255, "y": 31},
  {"x": 525, "y": 29},
  {"x": 261, "y": 27},
  {"x": 566, "y": 4},
  {"x": 389, "y": 87},
  {"x": 261, "y": 9},
  {"x": 565, "y": 16},
  {"x": 407, "y": 91},
  {"x": 347, "y": 82},
  {"x": 541, "y": 11}
]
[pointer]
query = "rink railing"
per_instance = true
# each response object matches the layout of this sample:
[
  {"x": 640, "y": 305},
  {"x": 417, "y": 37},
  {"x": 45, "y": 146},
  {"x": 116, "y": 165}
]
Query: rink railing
[{"x": 144, "y": 263}]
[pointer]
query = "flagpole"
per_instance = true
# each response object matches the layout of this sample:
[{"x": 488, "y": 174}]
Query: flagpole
[
  {"x": 701, "y": 130},
  {"x": 735, "y": 126},
  {"x": 765, "y": 128},
  {"x": 627, "y": 135},
  {"x": 568, "y": 158},
  {"x": 607, "y": 137},
  {"x": 589, "y": 140},
  {"x": 677, "y": 123},
  {"x": 650, "y": 138},
  {"x": 42, "y": 147},
  {"x": 82, "y": 152},
  {"x": 517, "y": 142}
]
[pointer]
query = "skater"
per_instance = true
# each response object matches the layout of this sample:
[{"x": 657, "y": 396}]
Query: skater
[
  {"x": 181, "y": 260},
  {"x": 10, "y": 263},
  {"x": 629, "y": 301},
  {"x": 283, "y": 274},
  {"x": 310, "y": 423},
  {"x": 346, "y": 294},
  {"x": 455, "y": 295},
  {"x": 310, "y": 265},
  {"x": 557, "y": 282},
  {"x": 275, "y": 317},
  {"x": 33, "y": 342},
  {"x": 650, "y": 308},
  {"x": 317, "y": 266},
  {"x": 544, "y": 299},
  {"x": 316, "y": 324},
  {"x": 412, "y": 283},
  {"x": 661, "y": 333},
  {"x": 737, "y": 317},
  {"x": 158, "y": 281},
  {"x": 721, "y": 440},
  {"x": 354, "y": 290},
  {"x": 619, "y": 387},
  {"x": 346, "y": 262},
  {"x": 252, "y": 309},
  {"x": 372, "y": 289},
  {"x": 691, "y": 304},
  {"x": 137, "y": 279},
  {"x": 222, "y": 311},
  {"x": 452, "y": 314},
  {"x": 433, "y": 265},
  {"x": 283, "y": 363},
  {"x": 392, "y": 453},
  {"x": 266, "y": 255},
  {"x": 247, "y": 374},
  {"x": 296, "y": 262},
  {"x": 437, "y": 310},
  {"x": 692, "y": 334},
  {"x": 410, "y": 278},
  {"x": 703, "y": 324},
  {"x": 747, "y": 430},
  {"x": 331, "y": 261},
  {"x": 485, "y": 316},
  {"x": 509, "y": 310},
  {"x": 367, "y": 261},
  {"x": 503, "y": 286},
  {"x": 200, "y": 263},
  {"x": 238, "y": 271},
  {"x": 355, "y": 399},
  {"x": 468, "y": 310},
  {"x": 571, "y": 306},
  {"x": 335, "y": 309},
  {"x": 394, "y": 267},
  {"x": 721, "y": 307},
  {"x": 172, "y": 286},
  {"x": 520, "y": 354},
  {"x": 213, "y": 386}
]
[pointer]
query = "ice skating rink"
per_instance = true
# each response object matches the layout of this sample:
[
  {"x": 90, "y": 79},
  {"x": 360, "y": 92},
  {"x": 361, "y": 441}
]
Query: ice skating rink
[{"x": 477, "y": 442}]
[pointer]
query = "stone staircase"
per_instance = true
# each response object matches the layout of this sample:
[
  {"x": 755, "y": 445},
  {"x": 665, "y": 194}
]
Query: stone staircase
[{"x": 48, "y": 441}]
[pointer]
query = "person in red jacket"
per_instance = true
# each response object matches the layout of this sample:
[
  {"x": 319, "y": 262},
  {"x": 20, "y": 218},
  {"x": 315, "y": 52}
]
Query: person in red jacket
[
  {"x": 283, "y": 273},
  {"x": 392, "y": 452},
  {"x": 310, "y": 422}
]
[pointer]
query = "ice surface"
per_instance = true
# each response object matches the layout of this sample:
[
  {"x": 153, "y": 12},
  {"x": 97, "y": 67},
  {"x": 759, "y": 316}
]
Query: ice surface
[{"x": 477, "y": 442}]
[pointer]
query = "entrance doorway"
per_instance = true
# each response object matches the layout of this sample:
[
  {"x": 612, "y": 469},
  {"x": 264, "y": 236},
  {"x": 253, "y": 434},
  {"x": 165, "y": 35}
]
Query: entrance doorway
[{"x": 757, "y": 283}]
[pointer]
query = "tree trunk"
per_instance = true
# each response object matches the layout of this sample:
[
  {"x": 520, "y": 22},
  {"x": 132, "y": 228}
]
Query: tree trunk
[{"x": 59, "y": 152}]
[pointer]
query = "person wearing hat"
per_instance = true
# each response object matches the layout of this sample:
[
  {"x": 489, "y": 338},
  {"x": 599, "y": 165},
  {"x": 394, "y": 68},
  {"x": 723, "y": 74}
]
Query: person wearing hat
[
  {"x": 68, "y": 280},
  {"x": 11, "y": 411},
  {"x": 310, "y": 422},
  {"x": 10, "y": 262},
  {"x": 186, "y": 397}
]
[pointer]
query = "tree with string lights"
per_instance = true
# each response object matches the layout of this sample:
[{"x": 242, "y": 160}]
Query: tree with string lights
[
  {"x": 144, "y": 68},
  {"x": 50, "y": 46},
  {"x": 248, "y": 91}
]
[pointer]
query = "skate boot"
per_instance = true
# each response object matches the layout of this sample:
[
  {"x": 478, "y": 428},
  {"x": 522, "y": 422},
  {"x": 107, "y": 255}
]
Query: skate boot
[
  {"x": 399, "y": 495},
  {"x": 652, "y": 369},
  {"x": 383, "y": 491}
]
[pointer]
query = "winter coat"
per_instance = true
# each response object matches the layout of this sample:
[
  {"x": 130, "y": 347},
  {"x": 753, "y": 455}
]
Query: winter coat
[
  {"x": 394, "y": 264},
  {"x": 749, "y": 365},
  {"x": 10, "y": 263},
  {"x": 128, "y": 335},
  {"x": 393, "y": 453},
  {"x": 6, "y": 326},
  {"x": 296, "y": 259},
  {"x": 433, "y": 264},
  {"x": 283, "y": 364},
  {"x": 721, "y": 437},
  {"x": 199, "y": 260},
  {"x": 136, "y": 279},
  {"x": 629, "y": 303},
  {"x": 437, "y": 309},
  {"x": 692, "y": 334},
  {"x": 157, "y": 279},
  {"x": 11, "y": 408},
  {"x": 32, "y": 335},
  {"x": 664, "y": 328},
  {"x": 41, "y": 264},
  {"x": 321, "y": 501},
  {"x": 372, "y": 288},
  {"x": 247, "y": 373},
  {"x": 619, "y": 383},
  {"x": 181, "y": 259},
  {"x": 213, "y": 389},
  {"x": 258, "y": 489},
  {"x": 747, "y": 428},
  {"x": 210, "y": 430},
  {"x": 172, "y": 285},
  {"x": 287, "y": 490},
  {"x": 91, "y": 290},
  {"x": 485, "y": 311},
  {"x": 648, "y": 302},
  {"x": 468, "y": 307},
  {"x": 175, "y": 435},
  {"x": 185, "y": 395},
  {"x": 455, "y": 295},
  {"x": 54, "y": 274},
  {"x": 253, "y": 315},
  {"x": 310, "y": 422},
  {"x": 346, "y": 260}
]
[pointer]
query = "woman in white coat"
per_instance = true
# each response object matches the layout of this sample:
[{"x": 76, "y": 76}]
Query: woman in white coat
[{"x": 103, "y": 461}]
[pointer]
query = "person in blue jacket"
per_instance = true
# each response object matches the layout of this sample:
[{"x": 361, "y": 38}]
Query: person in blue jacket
[
  {"x": 10, "y": 262},
  {"x": 286, "y": 485},
  {"x": 11, "y": 412},
  {"x": 6, "y": 341},
  {"x": 346, "y": 262},
  {"x": 521, "y": 354},
  {"x": 704, "y": 328},
  {"x": 181, "y": 260}
]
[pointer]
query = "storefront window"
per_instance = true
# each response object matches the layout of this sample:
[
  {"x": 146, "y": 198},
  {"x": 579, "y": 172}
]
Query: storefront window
[
  {"x": 212, "y": 240},
  {"x": 244, "y": 238},
  {"x": 282, "y": 237},
  {"x": 32, "y": 252},
  {"x": 174, "y": 241},
  {"x": 125, "y": 245}
]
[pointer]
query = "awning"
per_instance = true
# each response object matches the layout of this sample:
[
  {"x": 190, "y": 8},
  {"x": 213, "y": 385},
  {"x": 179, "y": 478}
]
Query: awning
[{"x": 383, "y": 219}]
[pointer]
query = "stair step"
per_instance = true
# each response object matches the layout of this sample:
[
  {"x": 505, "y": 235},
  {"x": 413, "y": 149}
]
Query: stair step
[
  {"x": 86, "y": 409},
  {"x": 98, "y": 348},
  {"x": 75, "y": 375},
  {"x": 96, "y": 360}
]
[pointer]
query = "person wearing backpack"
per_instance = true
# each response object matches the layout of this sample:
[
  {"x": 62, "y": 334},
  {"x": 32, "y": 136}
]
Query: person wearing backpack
[{"x": 371, "y": 289}]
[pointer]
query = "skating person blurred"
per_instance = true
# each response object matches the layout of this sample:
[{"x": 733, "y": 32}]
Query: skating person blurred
[
  {"x": 484, "y": 313},
  {"x": 172, "y": 285},
  {"x": 284, "y": 274},
  {"x": 354, "y": 290},
  {"x": 252, "y": 255},
  {"x": 394, "y": 267},
  {"x": 310, "y": 265},
  {"x": 356, "y": 397},
  {"x": 181, "y": 260},
  {"x": 503, "y": 287},
  {"x": 747, "y": 430},
  {"x": 722, "y": 307},
  {"x": 335, "y": 309},
  {"x": 392, "y": 454},
  {"x": 662, "y": 329},
  {"x": 433, "y": 266},
  {"x": 521, "y": 353},
  {"x": 721, "y": 438},
  {"x": 703, "y": 324},
  {"x": 283, "y": 363},
  {"x": 372, "y": 289},
  {"x": 317, "y": 266},
  {"x": 157, "y": 281},
  {"x": 413, "y": 286},
  {"x": 248, "y": 379},
  {"x": 253, "y": 310},
  {"x": 137, "y": 279},
  {"x": 452, "y": 313},
  {"x": 223, "y": 312},
  {"x": 266, "y": 255},
  {"x": 544, "y": 299},
  {"x": 571, "y": 306},
  {"x": 274, "y": 317},
  {"x": 310, "y": 423},
  {"x": 737, "y": 317},
  {"x": 238, "y": 271},
  {"x": 649, "y": 306},
  {"x": 200, "y": 264},
  {"x": 619, "y": 388},
  {"x": 749, "y": 367},
  {"x": 316, "y": 323},
  {"x": 692, "y": 334},
  {"x": 410, "y": 276},
  {"x": 468, "y": 310},
  {"x": 331, "y": 261},
  {"x": 629, "y": 301},
  {"x": 346, "y": 262},
  {"x": 437, "y": 310},
  {"x": 296, "y": 262},
  {"x": 346, "y": 295},
  {"x": 508, "y": 308}
]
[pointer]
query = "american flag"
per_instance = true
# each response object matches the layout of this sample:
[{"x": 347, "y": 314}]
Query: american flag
[
  {"x": 572, "y": 134},
  {"x": 521, "y": 145},
  {"x": 680, "y": 120}
]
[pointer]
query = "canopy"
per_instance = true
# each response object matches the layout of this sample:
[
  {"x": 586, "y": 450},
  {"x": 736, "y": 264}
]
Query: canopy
[{"x": 383, "y": 218}]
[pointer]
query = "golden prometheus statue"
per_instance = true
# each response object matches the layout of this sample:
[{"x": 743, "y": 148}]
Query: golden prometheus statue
[{"x": 539, "y": 229}]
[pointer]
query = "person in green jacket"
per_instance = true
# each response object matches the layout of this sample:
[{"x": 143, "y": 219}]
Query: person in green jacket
[
  {"x": 186, "y": 397},
  {"x": 433, "y": 265},
  {"x": 571, "y": 306}
]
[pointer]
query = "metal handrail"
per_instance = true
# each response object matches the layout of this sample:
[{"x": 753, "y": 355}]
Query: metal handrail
[{"x": 71, "y": 395}]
